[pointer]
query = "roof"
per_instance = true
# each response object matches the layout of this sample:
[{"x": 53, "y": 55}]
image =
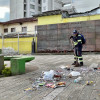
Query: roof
[
  {"x": 48, "y": 13},
  {"x": 19, "y": 21},
  {"x": 58, "y": 12}
]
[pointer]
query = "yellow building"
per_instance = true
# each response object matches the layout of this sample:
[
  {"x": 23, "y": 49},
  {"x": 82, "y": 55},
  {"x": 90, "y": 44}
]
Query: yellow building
[
  {"x": 25, "y": 27},
  {"x": 55, "y": 17}
]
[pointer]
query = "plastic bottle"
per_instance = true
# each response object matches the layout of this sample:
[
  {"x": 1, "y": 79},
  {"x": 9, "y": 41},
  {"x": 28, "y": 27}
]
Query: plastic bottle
[
  {"x": 78, "y": 80},
  {"x": 89, "y": 82}
]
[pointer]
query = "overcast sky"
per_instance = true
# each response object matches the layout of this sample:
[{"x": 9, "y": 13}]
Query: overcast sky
[
  {"x": 80, "y": 5},
  {"x": 4, "y": 10}
]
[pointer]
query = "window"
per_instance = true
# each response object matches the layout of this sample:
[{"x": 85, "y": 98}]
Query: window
[
  {"x": 24, "y": 14},
  {"x": 24, "y": 29},
  {"x": 32, "y": 13},
  {"x": 12, "y": 29},
  {"x": 6, "y": 30},
  {"x": 32, "y": 0},
  {"x": 32, "y": 6},
  {"x": 39, "y": 1},
  {"x": 39, "y": 8},
  {"x": 44, "y": 1},
  {"x": 24, "y": 6},
  {"x": 44, "y": 8}
]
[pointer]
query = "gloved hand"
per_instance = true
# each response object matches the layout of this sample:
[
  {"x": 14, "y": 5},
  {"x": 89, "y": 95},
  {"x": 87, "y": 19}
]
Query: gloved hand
[{"x": 71, "y": 37}]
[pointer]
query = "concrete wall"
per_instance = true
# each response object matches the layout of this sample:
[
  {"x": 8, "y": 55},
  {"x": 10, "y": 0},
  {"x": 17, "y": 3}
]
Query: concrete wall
[{"x": 55, "y": 37}]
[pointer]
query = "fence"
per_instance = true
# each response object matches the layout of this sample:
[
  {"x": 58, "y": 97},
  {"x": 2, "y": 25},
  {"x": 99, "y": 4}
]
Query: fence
[
  {"x": 55, "y": 37},
  {"x": 17, "y": 44}
]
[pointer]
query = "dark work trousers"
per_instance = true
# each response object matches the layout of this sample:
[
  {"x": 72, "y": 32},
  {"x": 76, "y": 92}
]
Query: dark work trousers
[{"x": 78, "y": 54}]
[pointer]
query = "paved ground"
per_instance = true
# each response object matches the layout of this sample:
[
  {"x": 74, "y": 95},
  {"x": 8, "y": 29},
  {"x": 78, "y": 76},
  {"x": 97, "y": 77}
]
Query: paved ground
[{"x": 12, "y": 88}]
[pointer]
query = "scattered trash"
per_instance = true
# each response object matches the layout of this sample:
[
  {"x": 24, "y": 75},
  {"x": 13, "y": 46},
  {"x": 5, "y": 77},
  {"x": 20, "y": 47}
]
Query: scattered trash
[
  {"x": 28, "y": 89},
  {"x": 49, "y": 85},
  {"x": 63, "y": 67},
  {"x": 68, "y": 67},
  {"x": 56, "y": 85},
  {"x": 57, "y": 76},
  {"x": 89, "y": 82},
  {"x": 48, "y": 75},
  {"x": 94, "y": 65},
  {"x": 78, "y": 80},
  {"x": 53, "y": 86},
  {"x": 98, "y": 67},
  {"x": 42, "y": 84},
  {"x": 74, "y": 73},
  {"x": 95, "y": 68},
  {"x": 61, "y": 84}
]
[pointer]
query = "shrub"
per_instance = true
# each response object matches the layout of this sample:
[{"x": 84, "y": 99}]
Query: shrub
[{"x": 6, "y": 71}]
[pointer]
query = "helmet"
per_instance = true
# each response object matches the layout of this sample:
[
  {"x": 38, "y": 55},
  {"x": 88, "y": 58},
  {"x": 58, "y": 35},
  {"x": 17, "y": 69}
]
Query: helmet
[{"x": 75, "y": 32}]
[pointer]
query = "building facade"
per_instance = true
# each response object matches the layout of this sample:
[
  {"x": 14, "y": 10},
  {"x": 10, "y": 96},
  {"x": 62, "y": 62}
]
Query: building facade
[
  {"x": 24, "y": 8},
  {"x": 22, "y": 26},
  {"x": 48, "y": 5}
]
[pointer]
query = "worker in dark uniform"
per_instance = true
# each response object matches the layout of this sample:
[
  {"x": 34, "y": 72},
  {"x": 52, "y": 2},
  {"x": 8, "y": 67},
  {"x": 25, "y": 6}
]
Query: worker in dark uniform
[{"x": 77, "y": 41}]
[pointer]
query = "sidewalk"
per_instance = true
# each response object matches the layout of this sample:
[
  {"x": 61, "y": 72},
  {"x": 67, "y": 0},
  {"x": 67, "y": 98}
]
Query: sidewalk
[{"x": 12, "y": 88}]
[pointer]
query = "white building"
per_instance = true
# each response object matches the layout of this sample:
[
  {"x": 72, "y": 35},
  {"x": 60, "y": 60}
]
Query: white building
[
  {"x": 48, "y": 5},
  {"x": 81, "y": 5},
  {"x": 24, "y": 8}
]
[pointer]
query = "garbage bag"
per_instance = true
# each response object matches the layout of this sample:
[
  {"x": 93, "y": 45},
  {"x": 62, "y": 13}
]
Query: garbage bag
[
  {"x": 75, "y": 73},
  {"x": 48, "y": 75}
]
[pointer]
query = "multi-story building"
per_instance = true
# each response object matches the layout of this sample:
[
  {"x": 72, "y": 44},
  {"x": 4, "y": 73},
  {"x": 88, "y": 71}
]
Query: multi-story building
[
  {"x": 48, "y": 5},
  {"x": 24, "y": 8}
]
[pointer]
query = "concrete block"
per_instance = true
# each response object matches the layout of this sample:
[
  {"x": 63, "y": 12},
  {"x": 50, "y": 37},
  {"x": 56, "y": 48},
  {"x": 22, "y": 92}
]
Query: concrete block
[
  {"x": 86, "y": 35},
  {"x": 89, "y": 48},
  {"x": 90, "y": 41},
  {"x": 41, "y": 27},
  {"x": 97, "y": 29},
  {"x": 52, "y": 27},
  {"x": 1, "y": 63},
  {"x": 97, "y": 47},
  {"x": 63, "y": 26},
  {"x": 97, "y": 35},
  {"x": 75, "y": 25},
  {"x": 97, "y": 41},
  {"x": 97, "y": 22}
]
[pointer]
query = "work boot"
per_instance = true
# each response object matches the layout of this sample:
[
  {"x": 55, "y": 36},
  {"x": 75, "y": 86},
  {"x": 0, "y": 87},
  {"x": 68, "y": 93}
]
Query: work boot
[
  {"x": 74, "y": 63},
  {"x": 81, "y": 63},
  {"x": 77, "y": 65}
]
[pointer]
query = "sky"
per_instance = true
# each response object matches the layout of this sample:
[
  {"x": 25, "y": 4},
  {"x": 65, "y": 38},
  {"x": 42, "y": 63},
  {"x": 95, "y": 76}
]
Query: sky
[
  {"x": 4, "y": 10},
  {"x": 80, "y": 5}
]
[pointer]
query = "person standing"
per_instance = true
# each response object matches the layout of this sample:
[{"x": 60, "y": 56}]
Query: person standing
[{"x": 78, "y": 41}]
